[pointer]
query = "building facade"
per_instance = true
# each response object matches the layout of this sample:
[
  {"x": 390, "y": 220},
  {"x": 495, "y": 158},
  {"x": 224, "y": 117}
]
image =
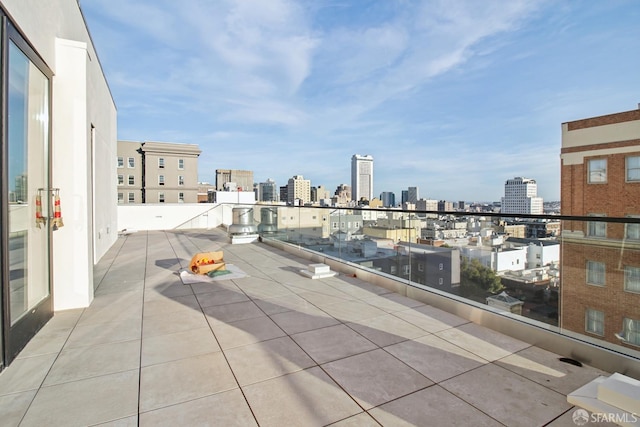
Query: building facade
[
  {"x": 298, "y": 188},
  {"x": 361, "y": 177},
  {"x": 413, "y": 195},
  {"x": 342, "y": 195},
  {"x": 129, "y": 170},
  {"x": 241, "y": 179},
  {"x": 157, "y": 172},
  {"x": 521, "y": 197},
  {"x": 268, "y": 191},
  {"x": 600, "y": 262},
  {"x": 59, "y": 123},
  {"x": 388, "y": 199}
]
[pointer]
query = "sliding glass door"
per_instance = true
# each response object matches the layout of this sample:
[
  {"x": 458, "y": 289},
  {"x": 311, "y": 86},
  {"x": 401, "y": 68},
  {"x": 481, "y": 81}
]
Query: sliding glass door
[{"x": 27, "y": 199}]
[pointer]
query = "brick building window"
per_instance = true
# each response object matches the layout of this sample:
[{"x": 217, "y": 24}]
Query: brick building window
[
  {"x": 132, "y": 162},
  {"x": 630, "y": 331},
  {"x": 160, "y": 179},
  {"x": 597, "y": 171},
  {"x": 120, "y": 179},
  {"x": 633, "y": 169},
  {"x": 132, "y": 197},
  {"x": 132, "y": 180},
  {"x": 596, "y": 228},
  {"x": 595, "y": 273},
  {"x": 631, "y": 278},
  {"x": 120, "y": 198},
  {"x": 161, "y": 162},
  {"x": 180, "y": 197},
  {"x": 594, "y": 321},
  {"x": 160, "y": 197},
  {"x": 180, "y": 180},
  {"x": 632, "y": 231},
  {"x": 120, "y": 162},
  {"x": 180, "y": 164}
]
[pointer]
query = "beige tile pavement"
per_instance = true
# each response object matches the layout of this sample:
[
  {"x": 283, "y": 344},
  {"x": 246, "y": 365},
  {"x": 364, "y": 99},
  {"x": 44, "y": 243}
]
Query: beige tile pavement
[{"x": 271, "y": 349}]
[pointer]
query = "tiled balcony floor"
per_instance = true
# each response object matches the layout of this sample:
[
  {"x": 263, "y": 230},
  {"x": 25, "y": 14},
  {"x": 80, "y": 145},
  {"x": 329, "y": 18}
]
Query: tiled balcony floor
[{"x": 272, "y": 349}]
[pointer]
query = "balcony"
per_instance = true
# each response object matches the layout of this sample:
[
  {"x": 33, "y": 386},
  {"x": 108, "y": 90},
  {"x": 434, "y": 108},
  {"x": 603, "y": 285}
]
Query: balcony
[{"x": 272, "y": 348}]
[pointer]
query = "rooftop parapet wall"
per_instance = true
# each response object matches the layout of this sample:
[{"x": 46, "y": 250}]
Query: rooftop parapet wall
[{"x": 609, "y": 119}]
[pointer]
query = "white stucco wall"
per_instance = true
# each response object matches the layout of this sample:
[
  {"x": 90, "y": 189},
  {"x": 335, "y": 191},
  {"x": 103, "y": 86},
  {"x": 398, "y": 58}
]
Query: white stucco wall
[
  {"x": 81, "y": 102},
  {"x": 168, "y": 216}
]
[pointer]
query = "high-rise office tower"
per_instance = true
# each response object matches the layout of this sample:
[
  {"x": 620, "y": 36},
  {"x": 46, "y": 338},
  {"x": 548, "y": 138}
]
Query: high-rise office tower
[
  {"x": 413, "y": 195},
  {"x": 361, "y": 177},
  {"x": 521, "y": 197},
  {"x": 268, "y": 191},
  {"x": 405, "y": 196},
  {"x": 388, "y": 199}
]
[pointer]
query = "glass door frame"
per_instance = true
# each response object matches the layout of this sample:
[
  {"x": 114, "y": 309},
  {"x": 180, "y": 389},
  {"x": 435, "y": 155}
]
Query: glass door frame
[{"x": 15, "y": 337}]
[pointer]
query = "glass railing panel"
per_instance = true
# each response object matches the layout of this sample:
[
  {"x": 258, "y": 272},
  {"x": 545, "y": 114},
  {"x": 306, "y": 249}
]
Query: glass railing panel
[{"x": 578, "y": 276}]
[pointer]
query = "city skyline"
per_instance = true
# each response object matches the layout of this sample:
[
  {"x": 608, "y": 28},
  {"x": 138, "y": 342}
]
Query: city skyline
[{"x": 453, "y": 98}]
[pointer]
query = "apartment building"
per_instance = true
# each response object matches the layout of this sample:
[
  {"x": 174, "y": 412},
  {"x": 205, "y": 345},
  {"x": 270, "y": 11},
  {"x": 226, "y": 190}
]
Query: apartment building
[
  {"x": 157, "y": 172},
  {"x": 600, "y": 274},
  {"x": 298, "y": 188},
  {"x": 59, "y": 121},
  {"x": 129, "y": 172}
]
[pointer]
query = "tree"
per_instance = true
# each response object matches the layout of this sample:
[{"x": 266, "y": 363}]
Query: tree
[{"x": 476, "y": 274}]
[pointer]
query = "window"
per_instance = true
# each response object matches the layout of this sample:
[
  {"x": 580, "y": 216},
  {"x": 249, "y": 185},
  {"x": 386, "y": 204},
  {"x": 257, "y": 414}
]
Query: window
[
  {"x": 595, "y": 273},
  {"x": 160, "y": 179},
  {"x": 180, "y": 197},
  {"x": 630, "y": 331},
  {"x": 120, "y": 162},
  {"x": 393, "y": 269},
  {"x": 334, "y": 225},
  {"x": 120, "y": 179},
  {"x": 633, "y": 169},
  {"x": 440, "y": 267},
  {"x": 180, "y": 164},
  {"x": 161, "y": 162},
  {"x": 632, "y": 231},
  {"x": 120, "y": 197},
  {"x": 440, "y": 281},
  {"x": 594, "y": 321},
  {"x": 132, "y": 180},
  {"x": 180, "y": 180},
  {"x": 631, "y": 278},
  {"x": 160, "y": 197},
  {"x": 132, "y": 197},
  {"x": 132, "y": 162},
  {"x": 597, "y": 171},
  {"x": 420, "y": 266},
  {"x": 405, "y": 269},
  {"x": 596, "y": 228}
]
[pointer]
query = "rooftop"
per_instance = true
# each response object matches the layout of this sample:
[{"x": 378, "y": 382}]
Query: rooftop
[{"x": 272, "y": 348}]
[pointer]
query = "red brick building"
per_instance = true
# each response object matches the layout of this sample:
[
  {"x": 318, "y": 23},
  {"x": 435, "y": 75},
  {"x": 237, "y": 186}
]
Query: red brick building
[{"x": 600, "y": 274}]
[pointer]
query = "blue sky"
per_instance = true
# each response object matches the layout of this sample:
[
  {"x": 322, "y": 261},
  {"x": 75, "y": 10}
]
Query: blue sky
[{"x": 454, "y": 97}]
